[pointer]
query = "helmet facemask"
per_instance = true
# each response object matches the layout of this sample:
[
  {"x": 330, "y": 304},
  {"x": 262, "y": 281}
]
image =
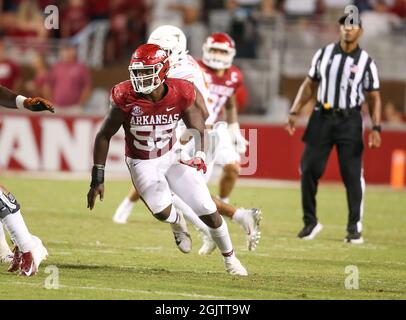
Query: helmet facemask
[
  {"x": 218, "y": 56},
  {"x": 145, "y": 78}
]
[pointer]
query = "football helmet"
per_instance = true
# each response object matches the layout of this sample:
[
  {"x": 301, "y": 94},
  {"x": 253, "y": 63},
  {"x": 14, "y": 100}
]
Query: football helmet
[
  {"x": 217, "y": 60},
  {"x": 172, "y": 40},
  {"x": 149, "y": 66}
]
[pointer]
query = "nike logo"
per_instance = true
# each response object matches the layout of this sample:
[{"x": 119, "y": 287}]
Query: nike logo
[
  {"x": 29, "y": 272},
  {"x": 169, "y": 109}
]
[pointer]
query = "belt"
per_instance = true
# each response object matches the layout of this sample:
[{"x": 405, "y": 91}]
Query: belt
[{"x": 336, "y": 111}]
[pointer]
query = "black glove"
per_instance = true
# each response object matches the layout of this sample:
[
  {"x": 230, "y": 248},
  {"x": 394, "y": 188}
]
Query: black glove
[{"x": 38, "y": 104}]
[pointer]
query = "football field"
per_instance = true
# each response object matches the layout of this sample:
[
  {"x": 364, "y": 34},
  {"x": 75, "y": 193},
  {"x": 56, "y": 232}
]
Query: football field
[{"x": 93, "y": 258}]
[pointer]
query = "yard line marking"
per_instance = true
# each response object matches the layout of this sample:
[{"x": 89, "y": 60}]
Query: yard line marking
[{"x": 182, "y": 294}]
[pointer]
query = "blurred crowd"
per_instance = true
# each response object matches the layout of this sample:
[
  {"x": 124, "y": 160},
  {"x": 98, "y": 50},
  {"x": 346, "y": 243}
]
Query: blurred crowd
[{"x": 130, "y": 21}]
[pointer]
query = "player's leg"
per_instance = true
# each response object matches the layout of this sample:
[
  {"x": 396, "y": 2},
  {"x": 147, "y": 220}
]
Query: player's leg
[
  {"x": 6, "y": 256},
  {"x": 123, "y": 211},
  {"x": 29, "y": 251},
  {"x": 208, "y": 244},
  {"x": 190, "y": 186},
  {"x": 248, "y": 219},
  {"x": 149, "y": 179},
  {"x": 229, "y": 159},
  {"x": 228, "y": 179}
]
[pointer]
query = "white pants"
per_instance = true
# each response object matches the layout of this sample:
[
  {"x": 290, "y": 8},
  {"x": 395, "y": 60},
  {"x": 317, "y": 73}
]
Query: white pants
[
  {"x": 221, "y": 150},
  {"x": 156, "y": 178}
]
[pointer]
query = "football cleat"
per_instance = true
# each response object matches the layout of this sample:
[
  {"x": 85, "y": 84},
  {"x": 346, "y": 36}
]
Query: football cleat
[
  {"x": 208, "y": 244},
  {"x": 182, "y": 237},
  {"x": 16, "y": 262},
  {"x": 6, "y": 258},
  {"x": 234, "y": 266},
  {"x": 123, "y": 211},
  {"x": 31, "y": 260},
  {"x": 310, "y": 231},
  {"x": 250, "y": 223},
  {"x": 121, "y": 216},
  {"x": 28, "y": 267}
]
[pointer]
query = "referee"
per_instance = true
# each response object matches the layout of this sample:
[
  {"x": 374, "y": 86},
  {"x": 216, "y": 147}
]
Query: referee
[{"x": 341, "y": 74}]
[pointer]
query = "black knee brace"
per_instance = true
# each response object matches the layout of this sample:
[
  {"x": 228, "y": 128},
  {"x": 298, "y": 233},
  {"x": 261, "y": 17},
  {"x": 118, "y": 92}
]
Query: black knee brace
[{"x": 8, "y": 204}]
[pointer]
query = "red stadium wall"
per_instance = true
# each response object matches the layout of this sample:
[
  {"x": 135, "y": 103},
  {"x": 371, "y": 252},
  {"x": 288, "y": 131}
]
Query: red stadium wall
[
  {"x": 53, "y": 143},
  {"x": 279, "y": 155}
]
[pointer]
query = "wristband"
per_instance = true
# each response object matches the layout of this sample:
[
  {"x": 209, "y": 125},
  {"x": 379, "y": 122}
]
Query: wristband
[
  {"x": 97, "y": 175},
  {"x": 20, "y": 101},
  {"x": 201, "y": 155},
  {"x": 377, "y": 128},
  {"x": 292, "y": 113}
]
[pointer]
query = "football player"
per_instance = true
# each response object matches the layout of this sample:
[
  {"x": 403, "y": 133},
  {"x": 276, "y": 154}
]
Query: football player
[
  {"x": 184, "y": 66},
  {"x": 149, "y": 106},
  {"x": 224, "y": 79},
  {"x": 29, "y": 251}
]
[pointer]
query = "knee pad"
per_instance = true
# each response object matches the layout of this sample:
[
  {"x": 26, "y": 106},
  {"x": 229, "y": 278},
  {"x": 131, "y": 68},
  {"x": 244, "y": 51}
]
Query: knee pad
[
  {"x": 8, "y": 204},
  {"x": 206, "y": 208}
]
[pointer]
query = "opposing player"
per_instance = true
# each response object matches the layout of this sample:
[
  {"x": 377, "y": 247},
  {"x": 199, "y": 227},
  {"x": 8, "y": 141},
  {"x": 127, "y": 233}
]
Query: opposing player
[
  {"x": 149, "y": 108},
  {"x": 29, "y": 250},
  {"x": 183, "y": 66}
]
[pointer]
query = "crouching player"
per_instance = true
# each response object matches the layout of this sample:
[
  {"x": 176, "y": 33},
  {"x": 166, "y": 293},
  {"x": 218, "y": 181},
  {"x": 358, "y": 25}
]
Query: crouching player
[
  {"x": 149, "y": 108},
  {"x": 29, "y": 251}
]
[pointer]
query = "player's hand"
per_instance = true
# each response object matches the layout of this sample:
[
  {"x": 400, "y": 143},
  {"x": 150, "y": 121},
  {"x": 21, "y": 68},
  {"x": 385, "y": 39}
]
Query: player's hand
[
  {"x": 374, "y": 139},
  {"x": 38, "y": 104},
  {"x": 240, "y": 143},
  {"x": 92, "y": 195},
  {"x": 237, "y": 138},
  {"x": 196, "y": 162},
  {"x": 290, "y": 124}
]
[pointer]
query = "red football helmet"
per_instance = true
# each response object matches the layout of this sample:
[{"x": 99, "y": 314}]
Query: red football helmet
[
  {"x": 219, "y": 51},
  {"x": 148, "y": 68}
]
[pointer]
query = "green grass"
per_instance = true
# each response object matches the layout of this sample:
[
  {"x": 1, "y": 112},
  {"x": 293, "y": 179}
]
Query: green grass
[{"x": 100, "y": 260}]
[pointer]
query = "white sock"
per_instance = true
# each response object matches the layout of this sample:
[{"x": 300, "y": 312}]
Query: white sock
[
  {"x": 225, "y": 200},
  {"x": 125, "y": 207},
  {"x": 222, "y": 239},
  {"x": 189, "y": 214},
  {"x": 18, "y": 231},
  {"x": 4, "y": 248},
  {"x": 238, "y": 215}
]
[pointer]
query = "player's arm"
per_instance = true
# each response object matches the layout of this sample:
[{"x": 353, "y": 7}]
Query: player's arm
[
  {"x": 374, "y": 100},
  {"x": 307, "y": 91},
  {"x": 110, "y": 126},
  {"x": 11, "y": 100},
  {"x": 234, "y": 126},
  {"x": 194, "y": 119},
  {"x": 201, "y": 104}
]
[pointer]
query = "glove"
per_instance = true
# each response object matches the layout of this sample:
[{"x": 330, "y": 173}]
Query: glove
[
  {"x": 196, "y": 162},
  {"x": 38, "y": 104},
  {"x": 237, "y": 138}
]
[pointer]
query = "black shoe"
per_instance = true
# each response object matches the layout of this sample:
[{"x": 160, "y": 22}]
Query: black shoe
[
  {"x": 354, "y": 237},
  {"x": 310, "y": 231}
]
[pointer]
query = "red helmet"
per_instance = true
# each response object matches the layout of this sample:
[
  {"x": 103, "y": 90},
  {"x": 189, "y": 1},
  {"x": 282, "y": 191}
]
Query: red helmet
[
  {"x": 219, "y": 51},
  {"x": 149, "y": 66}
]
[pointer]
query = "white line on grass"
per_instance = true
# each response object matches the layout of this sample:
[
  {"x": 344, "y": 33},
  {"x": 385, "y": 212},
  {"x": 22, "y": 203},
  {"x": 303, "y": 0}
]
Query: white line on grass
[{"x": 164, "y": 293}]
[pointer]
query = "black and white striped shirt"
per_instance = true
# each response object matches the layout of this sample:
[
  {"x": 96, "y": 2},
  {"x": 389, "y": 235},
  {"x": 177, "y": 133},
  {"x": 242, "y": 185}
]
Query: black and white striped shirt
[{"x": 343, "y": 76}]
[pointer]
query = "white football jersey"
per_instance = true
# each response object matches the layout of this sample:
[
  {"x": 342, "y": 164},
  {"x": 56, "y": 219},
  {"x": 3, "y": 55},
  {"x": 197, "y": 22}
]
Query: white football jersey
[{"x": 189, "y": 69}]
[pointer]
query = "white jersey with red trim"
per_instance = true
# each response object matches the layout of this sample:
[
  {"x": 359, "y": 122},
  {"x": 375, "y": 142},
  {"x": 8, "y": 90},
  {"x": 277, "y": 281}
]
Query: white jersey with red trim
[{"x": 189, "y": 69}]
